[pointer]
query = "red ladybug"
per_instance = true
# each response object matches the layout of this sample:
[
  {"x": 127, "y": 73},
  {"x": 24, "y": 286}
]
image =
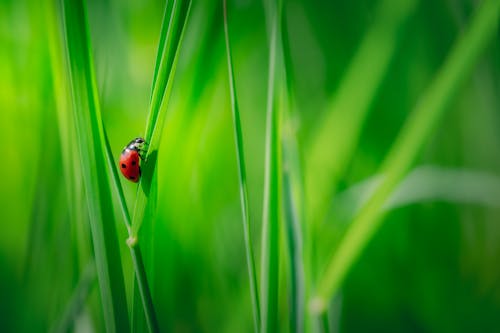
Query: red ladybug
[{"x": 129, "y": 159}]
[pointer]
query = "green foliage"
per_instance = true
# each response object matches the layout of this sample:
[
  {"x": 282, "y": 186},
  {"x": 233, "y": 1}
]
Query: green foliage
[
  {"x": 91, "y": 143},
  {"x": 312, "y": 166},
  {"x": 174, "y": 20},
  {"x": 414, "y": 133},
  {"x": 272, "y": 189},
  {"x": 240, "y": 156}
]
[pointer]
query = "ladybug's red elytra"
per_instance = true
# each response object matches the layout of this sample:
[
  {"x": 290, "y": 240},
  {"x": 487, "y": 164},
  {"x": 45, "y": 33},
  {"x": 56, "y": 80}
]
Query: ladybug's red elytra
[{"x": 130, "y": 158}]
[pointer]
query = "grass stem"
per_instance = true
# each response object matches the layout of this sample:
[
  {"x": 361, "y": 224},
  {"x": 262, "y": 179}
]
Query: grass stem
[
  {"x": 418, "y": 128},
  {"x": 272, "y": 193},
  {"x": 240, "y": 156},
  {"x": 91, "y": 147}
]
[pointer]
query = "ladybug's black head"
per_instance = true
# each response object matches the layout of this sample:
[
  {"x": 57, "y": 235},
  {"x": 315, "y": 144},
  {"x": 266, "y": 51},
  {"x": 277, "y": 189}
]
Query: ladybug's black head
[{"x": 139, "y": 145}]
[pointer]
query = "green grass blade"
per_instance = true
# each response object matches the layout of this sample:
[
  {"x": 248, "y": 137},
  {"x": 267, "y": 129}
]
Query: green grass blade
[
  {"x": 146, "y": 299},
  {"x": 356, "y": 92},
  {"x": 423, "y": 184},
  {"x": 77, "y": 300},
  {"x": 137, "y": 316},
  {"x": 61, "y": 97},
  {"x": 70, "y": 161},
  {"x": 173, "y": 27},
  {"x": 240, "y": 156},
  {"x": 159, "y": 101},
  {"x": 144, "y": 290},
  {"x": 116, "y": 181},
  {"x": 293, "y": 198},
  {"x": 272, "y": 192},
  {"x": 161, "y": 45},
  {"x": 135, "y": 252},
  {"x": 91, "y": 147},
  {"x": 411, "y": 140},
  {"x": 165, "y": 70},
  {"x": 70, "y": 158},
  {"x": 293, "y": 217}
]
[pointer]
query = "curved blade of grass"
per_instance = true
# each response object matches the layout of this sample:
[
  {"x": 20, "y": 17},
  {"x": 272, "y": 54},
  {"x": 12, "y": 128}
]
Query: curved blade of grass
[
  {"x": 70, "y": 160},
  {"x": 144, "y": 290},
  {"x": 423, "y": 184},
  {"x": 165, "y": 70},
  {"x": 272, "y": 189},
  {"x": 410, "y": 141},
  {"x": 135, "y": 252},
  {"x": 173, "y": 25},
  {"x": 293, "y": 217},
  {"x": 116, "y": 181},
  {"x": 91, "y": 145},
  {"x": 240, "y": 156},
  {"x": 159, "y": 101},
  {"x": 77, "y": 300},
  {"x": 60, "y": 96},
  {"x": 356, "y": 92},
  {"x": 161, "y": 45},
  {"x": 293, "y": 199}
]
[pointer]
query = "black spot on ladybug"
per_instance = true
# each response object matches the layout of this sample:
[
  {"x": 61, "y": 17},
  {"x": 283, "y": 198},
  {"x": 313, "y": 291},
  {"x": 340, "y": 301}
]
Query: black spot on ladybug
[
  {"x": 123, "y": 165},
  {"x": 132, "y": 177},
  {"x": 133, "y": 162}
]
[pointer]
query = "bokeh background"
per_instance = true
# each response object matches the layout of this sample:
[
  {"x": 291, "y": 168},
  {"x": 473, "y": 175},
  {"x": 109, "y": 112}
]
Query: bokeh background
[{"x": 433, "y": 266}]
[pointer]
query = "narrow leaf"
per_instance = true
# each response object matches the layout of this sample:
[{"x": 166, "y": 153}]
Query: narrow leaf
[
  {"x": 349, "y": 106},
  {"x": 240, "y": 156},
  {"x": 412, "y": 138},
  {"x": 77, "y": 301},
  {"x": 423, "y": 184},
  {"x": 293, "y": 192},
  {"x": 159, "y": 101},
  {"x": 173, "y": 26},
  {"x": 91, "y": 146},
  {"x": 272, "y": 192}
]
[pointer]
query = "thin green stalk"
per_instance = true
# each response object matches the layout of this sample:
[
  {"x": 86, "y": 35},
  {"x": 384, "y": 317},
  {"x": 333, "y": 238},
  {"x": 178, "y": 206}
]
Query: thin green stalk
[
  {"x": 77, "y": 300},
  {"x": 293, "y": 198},
  {"x": 116, "y": 181},
  {"x": 138, "y": 320},
  {"x": 272, "y": 194},
  {"x": 174, "y": 20},
  {"x": 137, "y": 262},
  {"x": 418, "y": 128},
  {"x": 145, "y": 292},
  {"x": 294, "y": 241},
  {"x": 160, "y": 96},
  {"x": 70, "y": 160},
  {"x": 173, "y": 26},
  {"x": 165, "y": 25},
  {"x": 422, "y": 184},
  {"x": 135, "y": 252},
  {"x": 90, "y": 139},
  {"x": 60, "y": 94},
  {"x": 240, "y": 157},
  {"x": 341, "y": 129}
]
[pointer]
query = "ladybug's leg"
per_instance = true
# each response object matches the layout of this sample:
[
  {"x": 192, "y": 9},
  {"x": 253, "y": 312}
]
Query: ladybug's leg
[
  {"x": 143, "y": 148},
  {"x": 142, "y": 154}
]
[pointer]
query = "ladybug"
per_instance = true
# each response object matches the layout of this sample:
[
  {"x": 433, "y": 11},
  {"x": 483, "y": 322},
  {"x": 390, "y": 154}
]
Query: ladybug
[{"x": 129, "y": 159}]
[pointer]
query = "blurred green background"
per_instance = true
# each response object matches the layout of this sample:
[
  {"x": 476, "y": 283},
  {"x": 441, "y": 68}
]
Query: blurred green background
[{"x": 433, "y": 266}]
